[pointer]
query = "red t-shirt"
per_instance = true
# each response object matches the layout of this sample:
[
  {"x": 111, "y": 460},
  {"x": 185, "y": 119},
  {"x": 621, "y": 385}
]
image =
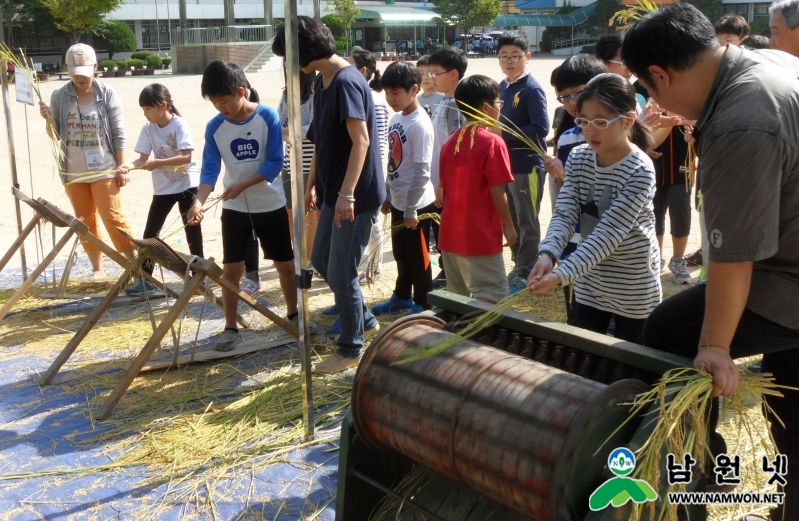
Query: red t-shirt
[{"x": 470, "y": 224}]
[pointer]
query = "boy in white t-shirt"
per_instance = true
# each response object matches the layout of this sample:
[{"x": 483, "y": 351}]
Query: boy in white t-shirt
[{"x": 409, "y": 192}]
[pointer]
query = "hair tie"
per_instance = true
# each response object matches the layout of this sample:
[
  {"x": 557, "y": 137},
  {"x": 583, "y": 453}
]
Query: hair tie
[
  {"x": 377, "y": 71},
  {"x": 171, "y": 102}
]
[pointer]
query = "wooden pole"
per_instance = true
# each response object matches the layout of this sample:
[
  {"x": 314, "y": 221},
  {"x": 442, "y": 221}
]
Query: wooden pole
[
  {"x": 13, "y": 160},
  {"x": 292, "y": 65}
]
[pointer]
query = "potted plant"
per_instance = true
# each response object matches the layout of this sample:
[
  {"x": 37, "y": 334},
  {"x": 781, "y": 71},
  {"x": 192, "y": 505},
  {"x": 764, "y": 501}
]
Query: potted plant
[
  {"x": 108, "y": 68},
  {"x": 137, "y": 67},
  {"x": 153, "y": 62},
  {"x": 122, "y": 67},
  {"x": 167, "y": 61}
]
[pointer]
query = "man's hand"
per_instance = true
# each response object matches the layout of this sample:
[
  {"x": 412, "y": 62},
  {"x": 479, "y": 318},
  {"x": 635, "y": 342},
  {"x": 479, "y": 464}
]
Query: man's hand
[
  {"x": 310, "y": 200},
  {"x": 345, "y": 211},
  {"x": 122, "y": 177},
  {"x": 439, "y": 202},
  {"x": 232, "y": 192},
  {"x": 554, "y": 167},
  {"x": 545, "y": 284},
  {"x": 510, "y": 234},
  {"x": 386, "y": 208},
  {"x": 195, "y": 215},
  {"x": 411, "y": 224},
  {"x": 718, "y": 362}
]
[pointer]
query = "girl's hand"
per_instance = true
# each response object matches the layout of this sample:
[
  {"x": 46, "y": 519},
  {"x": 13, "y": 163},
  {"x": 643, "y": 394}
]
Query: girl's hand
[
  {"x": 45, "y": 111},
  {"x": 149, "y": 165},
  {"x": 386, "y": 208},
  {"x": 124, "y": 168},
  {"x": 554, "y": 167},
  {"x": 546, "y": 284},
  {"x": 232, "y": 192},
  {"x": 122, "y": 178},
  {"x": 195, "y": 215},
  {"x": 411, "y": 224},
  {"x": 542, "y": 267},
  {"x": 689, "y": 134}
]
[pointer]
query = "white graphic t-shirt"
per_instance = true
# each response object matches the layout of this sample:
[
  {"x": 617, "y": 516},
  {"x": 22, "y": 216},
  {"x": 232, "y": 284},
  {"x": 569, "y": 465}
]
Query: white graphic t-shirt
[
  {"x": 164, "y": 143},
  {"x": 87, "y": 150},
  {"x": 410, "y": 143}
]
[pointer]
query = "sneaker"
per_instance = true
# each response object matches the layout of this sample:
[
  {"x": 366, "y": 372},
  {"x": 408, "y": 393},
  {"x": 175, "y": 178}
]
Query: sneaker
[
  {"x": 440, "y": 281},
  {"x": 694, "y": 259},
  {"x": 516, "y": 284},
  {"x": 512, "y": 276},
  {"x": 332, "y": 311},
  {"x": 395, "y": 305},
  {"x": 335, "y": 363},
  {"x": 228, "y": 340},
  {"x": 138, "y": 288},
  {"x": 680, "y": 270},
  {"x": 335, "y": 330},
  {"x": 249, "y": 286}
]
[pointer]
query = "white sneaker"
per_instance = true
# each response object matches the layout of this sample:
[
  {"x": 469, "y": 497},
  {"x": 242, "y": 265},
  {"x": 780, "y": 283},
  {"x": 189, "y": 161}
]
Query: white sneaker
[{"x": 679, "y": 267}]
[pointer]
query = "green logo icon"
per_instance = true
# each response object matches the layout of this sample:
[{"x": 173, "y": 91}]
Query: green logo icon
[{"x": 621, "y": 489}]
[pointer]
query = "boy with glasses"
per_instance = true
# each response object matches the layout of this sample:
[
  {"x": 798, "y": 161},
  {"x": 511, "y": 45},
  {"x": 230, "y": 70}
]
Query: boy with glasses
[
  {"x": 428, "y": 98},
  {"x": 525, "y": 108},
  {"x": 447, "y": 67}
]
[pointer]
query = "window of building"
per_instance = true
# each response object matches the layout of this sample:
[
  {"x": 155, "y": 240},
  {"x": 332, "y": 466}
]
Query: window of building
[
  {"x": 761, "y": 11},
  {"x": 741, "y": 9}
]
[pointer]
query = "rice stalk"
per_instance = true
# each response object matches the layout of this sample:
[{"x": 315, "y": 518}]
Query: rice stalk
[
  {"x": 409, "y": 486},
  {"x": 682, "y": 399},
  {"x": 372, "y": 259},
  {"x": 24, "y": 66},
  {"x": 627, "y": 17},
  {"x": 473, "y": 327}
]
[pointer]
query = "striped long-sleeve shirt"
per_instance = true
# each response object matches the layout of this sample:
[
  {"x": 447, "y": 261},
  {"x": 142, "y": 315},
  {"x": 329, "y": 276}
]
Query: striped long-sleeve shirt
[{"x": 616, "y": 268}]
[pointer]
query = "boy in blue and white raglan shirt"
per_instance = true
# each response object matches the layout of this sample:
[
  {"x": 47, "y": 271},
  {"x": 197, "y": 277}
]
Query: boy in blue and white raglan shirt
[
  {"x": 524, "y": 106},
  {"x": 248, "y": 138}
]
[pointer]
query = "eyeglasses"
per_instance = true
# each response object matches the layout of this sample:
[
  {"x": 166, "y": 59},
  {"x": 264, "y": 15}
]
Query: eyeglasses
[
  {"x": 510, "y": 59},
  {"x": 571, "y": 96},
  {"x": 500, "y": 102},
  {"x": 620, "y": 64},
  {"x": 600, "y": 124},
  {"x": 434, "y": 74}
]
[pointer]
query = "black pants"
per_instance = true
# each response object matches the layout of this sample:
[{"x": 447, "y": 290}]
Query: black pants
[
  {"x": 251, "y": 256},
  {"x": 675, "y": 327},
  {"x": 597, "y": 320},
  {"x": 434, "y": 228},
  {"x": 159, "y": 211},
  {"x": 414, "y": 273}
]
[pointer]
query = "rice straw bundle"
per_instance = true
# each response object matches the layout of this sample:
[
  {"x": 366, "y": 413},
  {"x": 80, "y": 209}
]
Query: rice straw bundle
[
  {"x": 473, "y": 327},
  {"x": 690, "y": 168},
  {"x": 24, "y": 66},
  {"x": 683, "y": 400},
  {"x": 626, "y": 17},
  {"x": 411, "y": 484}
]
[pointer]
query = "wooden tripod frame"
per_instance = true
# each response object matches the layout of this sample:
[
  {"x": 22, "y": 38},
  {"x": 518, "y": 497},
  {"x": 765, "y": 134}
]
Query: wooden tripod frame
[
  {"x": 61, "y": 219},
  {"x": 159, "y": 251}
]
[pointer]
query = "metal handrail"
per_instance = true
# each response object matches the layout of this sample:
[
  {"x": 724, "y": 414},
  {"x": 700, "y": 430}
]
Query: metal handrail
[
  {"x": 565, "y": 43},
  {"x": 223, "y": 34}
]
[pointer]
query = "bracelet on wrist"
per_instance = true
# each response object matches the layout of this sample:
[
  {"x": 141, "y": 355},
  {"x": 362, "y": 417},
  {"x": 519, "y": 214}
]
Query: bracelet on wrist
[
  {"x": 548, "y": 254},
  {"x": 349, "y": 198}
]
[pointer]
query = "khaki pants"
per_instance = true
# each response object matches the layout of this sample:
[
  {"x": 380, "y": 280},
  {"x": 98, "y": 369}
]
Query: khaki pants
[
  {"x": 100, "y": 197},
  {"x": 481, "y": 277}
]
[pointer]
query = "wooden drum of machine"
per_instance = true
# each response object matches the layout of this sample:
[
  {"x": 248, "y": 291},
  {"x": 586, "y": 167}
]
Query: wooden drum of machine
[{"x": 527, "y": 435}]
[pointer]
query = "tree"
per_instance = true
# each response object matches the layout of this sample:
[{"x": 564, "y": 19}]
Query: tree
[
  {"x": 114, "y": 36},
  {"x": 600, "y": 20},
  {"x": 345, "y": 11},
  {"x": 551, "y": 34},
  {"x": 16, "y": 12},
  {"x": 467, "y": 13},
  {"x": 710, "y": 8},
  {"x": 760, "y": 26},
  {"x": 78, "y": 17},
  {"x": 335, "y": 24}
]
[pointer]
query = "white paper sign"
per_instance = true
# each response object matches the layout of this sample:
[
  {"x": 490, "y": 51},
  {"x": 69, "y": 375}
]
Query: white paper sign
[{"x": 24, "y": 89}]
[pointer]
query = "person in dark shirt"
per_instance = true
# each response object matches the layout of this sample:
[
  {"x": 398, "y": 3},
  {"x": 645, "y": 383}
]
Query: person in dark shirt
[{"x": 349, "y": 174}]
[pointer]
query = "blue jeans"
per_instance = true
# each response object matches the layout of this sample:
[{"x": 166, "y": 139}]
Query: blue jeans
[{"x": 336, "y": 255}]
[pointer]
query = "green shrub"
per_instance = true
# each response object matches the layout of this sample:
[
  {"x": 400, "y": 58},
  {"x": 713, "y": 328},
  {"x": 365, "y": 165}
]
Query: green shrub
[
  {"x": 153, "y": 62},
  {"x": 123, "y": 64},
  {"x": 139, "y": 64},
  {"x": 114, "y": 36},
  {"x": 108, "y": 64},
  {"x": 141, "y": 55}
]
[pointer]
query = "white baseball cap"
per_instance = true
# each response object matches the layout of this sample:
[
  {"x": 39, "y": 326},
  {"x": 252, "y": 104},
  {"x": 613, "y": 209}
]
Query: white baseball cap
[{"x": 81, "y": 60}]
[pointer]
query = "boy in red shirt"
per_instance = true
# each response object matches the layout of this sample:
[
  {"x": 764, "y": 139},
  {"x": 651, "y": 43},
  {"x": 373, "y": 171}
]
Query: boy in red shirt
[{"x": 474, "y": 169}]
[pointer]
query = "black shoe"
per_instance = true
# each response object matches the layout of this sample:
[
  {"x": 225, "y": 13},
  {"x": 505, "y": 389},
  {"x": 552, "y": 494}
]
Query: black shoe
[
  {"x": 694, "y": 259},
  {"x": 440, "y": 281}
]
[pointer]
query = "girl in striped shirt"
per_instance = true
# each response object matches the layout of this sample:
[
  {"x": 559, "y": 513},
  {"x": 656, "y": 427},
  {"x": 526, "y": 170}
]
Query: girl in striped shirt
[{"x": 609, "y": 189}]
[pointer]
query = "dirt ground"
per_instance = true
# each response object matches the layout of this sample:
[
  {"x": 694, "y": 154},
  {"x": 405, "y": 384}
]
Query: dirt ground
[{"x": 38, "y": 175}]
